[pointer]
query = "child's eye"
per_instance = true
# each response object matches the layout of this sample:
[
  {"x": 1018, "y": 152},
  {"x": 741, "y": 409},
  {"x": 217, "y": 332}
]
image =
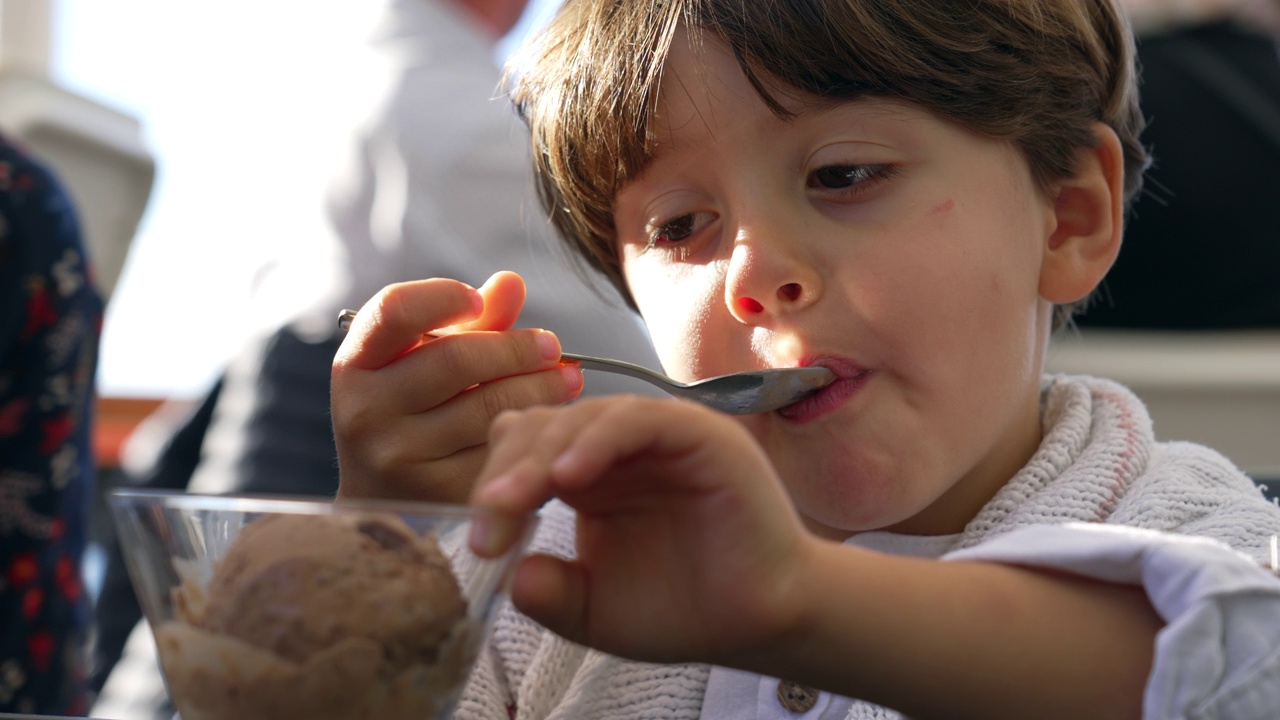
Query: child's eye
[
  {"x": 849, "y": 177},
  {"x": 678, "y": 229}
]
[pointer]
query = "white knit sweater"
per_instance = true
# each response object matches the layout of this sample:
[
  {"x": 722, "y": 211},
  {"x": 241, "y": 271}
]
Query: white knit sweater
[{"x": 1098, "y": 463}]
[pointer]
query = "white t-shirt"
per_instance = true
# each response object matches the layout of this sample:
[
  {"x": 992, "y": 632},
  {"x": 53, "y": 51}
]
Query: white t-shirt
[{"x": 1194, "y": 583}]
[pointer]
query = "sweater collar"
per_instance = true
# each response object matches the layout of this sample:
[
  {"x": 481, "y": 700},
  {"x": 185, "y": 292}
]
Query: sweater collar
[{"x": 1097, "y": 440}]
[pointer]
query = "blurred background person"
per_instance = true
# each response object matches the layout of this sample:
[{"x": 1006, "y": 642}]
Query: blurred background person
[
  {"x": 1200, "y": 249},
  {"x": 436, "y": 180},
  {"x": 49, "y": 335}
]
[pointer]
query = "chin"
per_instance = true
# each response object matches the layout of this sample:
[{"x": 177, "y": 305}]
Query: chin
[{"x": 849, "y": 513}]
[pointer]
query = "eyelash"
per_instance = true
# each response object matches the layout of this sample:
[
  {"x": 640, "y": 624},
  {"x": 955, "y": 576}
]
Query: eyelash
[
  {"x": 861, "y": 179},
  {"x": 656, "y": 234}
]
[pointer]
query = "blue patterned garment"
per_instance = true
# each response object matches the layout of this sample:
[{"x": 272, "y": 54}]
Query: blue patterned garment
[{"x": 49, "y": 331}]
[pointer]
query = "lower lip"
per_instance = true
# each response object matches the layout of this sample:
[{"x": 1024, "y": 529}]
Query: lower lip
[{"x": 827, "y": 400}]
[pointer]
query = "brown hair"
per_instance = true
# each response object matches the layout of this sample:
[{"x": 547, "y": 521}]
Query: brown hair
[{"x": 1036, "y": 73}]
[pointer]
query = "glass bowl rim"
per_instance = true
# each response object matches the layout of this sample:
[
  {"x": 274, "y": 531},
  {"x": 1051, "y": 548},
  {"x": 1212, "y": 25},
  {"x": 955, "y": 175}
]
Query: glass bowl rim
[{"x": 290, "y": 504}]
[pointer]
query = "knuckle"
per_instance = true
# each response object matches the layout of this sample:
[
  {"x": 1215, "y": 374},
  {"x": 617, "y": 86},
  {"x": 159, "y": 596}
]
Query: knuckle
[
  {"x": 355, "y": 419},
  {"x": 489, "y": 357},
  {"x": 510, "y": 420},
  {"x": 385, "y": 457},
  {"x": 502, "y": 423},
  {"x": 388, "y": 306},
  {"x": 496, "y": 400},
  {"x": 456, "y": 357}
]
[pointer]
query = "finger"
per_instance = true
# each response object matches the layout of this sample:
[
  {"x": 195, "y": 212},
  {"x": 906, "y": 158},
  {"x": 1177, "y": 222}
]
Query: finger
[
  {"x": 393, "y": 322},
  {"x": 466, "y": 418},
  {"x": 443, "y": 368},
  {"x": 515, "y": 480},
  {"x": 408, "y": 455},
  {"x": 416, "y": 445},
  {"x": 516, "y": 489},
  {"x": 523, "y": 446},
  {"x": 526, "y": 448},
  {"x": 552, "y": 592},
  {"x": 400, "y": 475},
  {"x": 629, "y": 426},
  {"x": 503, "y": 294}
]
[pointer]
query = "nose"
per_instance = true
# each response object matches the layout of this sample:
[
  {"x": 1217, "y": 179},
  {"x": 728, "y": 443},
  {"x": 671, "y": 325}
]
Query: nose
[{"x": 769, "y": 276}]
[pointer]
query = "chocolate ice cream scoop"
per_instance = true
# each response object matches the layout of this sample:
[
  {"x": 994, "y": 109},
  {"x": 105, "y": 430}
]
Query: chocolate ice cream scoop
[
  {"x": 297, "y": 585},
  {"x": 267, "y": 607}
]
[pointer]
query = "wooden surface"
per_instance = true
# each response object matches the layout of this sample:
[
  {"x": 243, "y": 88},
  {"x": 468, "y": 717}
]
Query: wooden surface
[{"x": 115, "y": 419}]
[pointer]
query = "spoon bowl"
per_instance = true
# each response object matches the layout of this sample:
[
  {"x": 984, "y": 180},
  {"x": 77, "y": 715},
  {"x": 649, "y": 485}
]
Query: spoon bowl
[{"x": 741, "y": 393}]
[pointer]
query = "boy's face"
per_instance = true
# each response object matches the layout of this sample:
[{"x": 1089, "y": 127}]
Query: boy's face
[{"x": 899, "y": 250}]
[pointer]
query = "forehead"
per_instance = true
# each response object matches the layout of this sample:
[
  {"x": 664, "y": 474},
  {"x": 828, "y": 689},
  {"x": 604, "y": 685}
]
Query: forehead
[
  {"x": 704, "y": 92},
  {"x": 703, "y": 87},
  {"x": 700, "y": 75}
]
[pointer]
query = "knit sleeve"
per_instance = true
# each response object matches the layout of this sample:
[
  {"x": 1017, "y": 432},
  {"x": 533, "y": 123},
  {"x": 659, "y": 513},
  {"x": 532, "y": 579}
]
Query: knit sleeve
[
  {"x": 1218, "y": 654},
  {"x": 1190, "y": 489},
  {"x": 500, "y": 686}
]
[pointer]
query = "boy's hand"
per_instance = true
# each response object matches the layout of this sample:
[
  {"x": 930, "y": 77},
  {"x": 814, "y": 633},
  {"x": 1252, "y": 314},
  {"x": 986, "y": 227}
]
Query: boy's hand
[
  {"x": 669, "y": 495},
  {"x": 688, "y": 549},
  {"x": 411, "y": 414}
]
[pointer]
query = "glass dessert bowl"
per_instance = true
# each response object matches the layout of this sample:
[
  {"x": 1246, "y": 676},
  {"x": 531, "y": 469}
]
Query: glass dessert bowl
[{"x": 266, "y": 607}]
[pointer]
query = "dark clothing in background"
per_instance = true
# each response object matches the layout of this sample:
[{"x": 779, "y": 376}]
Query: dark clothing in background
[
  {"x": 1202, "y": 246},
  {"x": 49, "y": 332},
  {"x": 270, "y": 431}
]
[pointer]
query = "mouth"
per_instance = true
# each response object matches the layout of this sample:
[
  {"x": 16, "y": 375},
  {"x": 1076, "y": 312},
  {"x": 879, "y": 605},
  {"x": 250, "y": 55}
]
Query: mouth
[{"x": 850, "y": 378}]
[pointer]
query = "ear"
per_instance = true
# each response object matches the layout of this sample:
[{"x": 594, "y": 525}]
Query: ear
[{"x": 1088, "y": 209}]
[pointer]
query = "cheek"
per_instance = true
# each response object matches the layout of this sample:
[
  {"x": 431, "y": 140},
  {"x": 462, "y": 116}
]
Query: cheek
[
  {"x": 982, "y": 258},
  {"x": 676, "y": 308},
  {"x": 943, "y": 208}
]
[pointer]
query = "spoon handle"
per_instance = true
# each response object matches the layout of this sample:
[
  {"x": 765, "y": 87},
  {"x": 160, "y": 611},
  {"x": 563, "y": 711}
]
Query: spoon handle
[{"x": 621, "y": 367}]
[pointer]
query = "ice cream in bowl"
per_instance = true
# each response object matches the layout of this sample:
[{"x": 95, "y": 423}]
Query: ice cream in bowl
[{"x": 270, "y": 607}]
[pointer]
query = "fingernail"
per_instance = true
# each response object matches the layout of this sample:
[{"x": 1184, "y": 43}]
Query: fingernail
[
  {"x": 491, "y": 535},
  {"x": 572, "y": 375},
  {"x": 477, "y": 300},
  {"x": 481, "y": 535},
  {"x": 548, "y": 345}
]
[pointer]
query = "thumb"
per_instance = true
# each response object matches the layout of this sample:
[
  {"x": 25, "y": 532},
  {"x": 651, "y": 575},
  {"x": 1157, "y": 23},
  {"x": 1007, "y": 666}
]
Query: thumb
[
  {"x": 503, "y": 294},
  {"x": 552, "y": 592}
]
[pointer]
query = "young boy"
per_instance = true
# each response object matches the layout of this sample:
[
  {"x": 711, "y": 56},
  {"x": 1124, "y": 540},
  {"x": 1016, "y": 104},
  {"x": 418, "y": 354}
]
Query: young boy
[{"x": 912, "y": 195}]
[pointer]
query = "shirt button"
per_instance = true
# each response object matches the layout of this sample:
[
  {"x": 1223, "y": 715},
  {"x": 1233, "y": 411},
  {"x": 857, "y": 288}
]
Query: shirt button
[{"x": 795, "y": 697}]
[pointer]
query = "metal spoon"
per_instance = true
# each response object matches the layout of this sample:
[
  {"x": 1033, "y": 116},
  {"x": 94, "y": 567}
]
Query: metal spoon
[{"x": 742, "y": 393}]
